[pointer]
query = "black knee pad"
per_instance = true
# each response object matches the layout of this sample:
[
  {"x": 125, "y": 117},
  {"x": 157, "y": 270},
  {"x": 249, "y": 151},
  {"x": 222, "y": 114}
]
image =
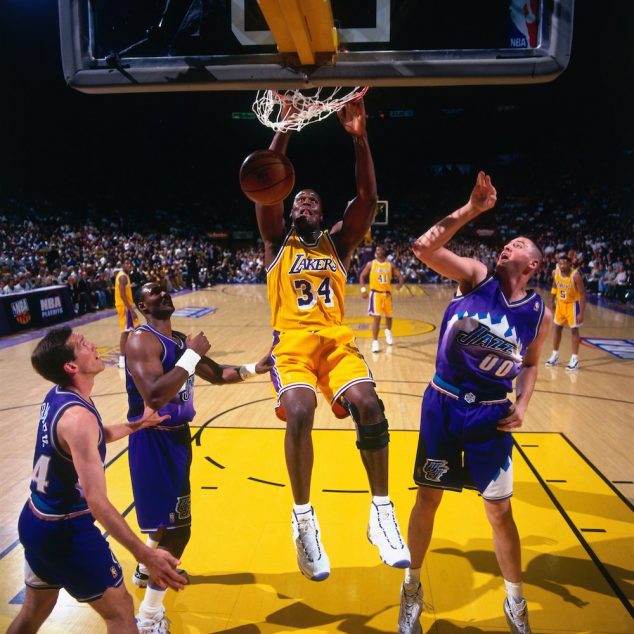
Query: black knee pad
[{"x": 373, "y": 437}]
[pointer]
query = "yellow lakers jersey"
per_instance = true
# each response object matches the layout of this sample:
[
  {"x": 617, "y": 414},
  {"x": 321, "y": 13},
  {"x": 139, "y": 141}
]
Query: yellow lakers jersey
[
  {"x": 306, "y": 284},
  {"x": 117, "y": 290},
  {"x": 564, "y": 287},
  {"x": 380, "y": 276}
]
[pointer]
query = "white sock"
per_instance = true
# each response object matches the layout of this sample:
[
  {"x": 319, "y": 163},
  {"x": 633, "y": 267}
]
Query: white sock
[
  {"x": 412, "y": 577},
  {"x": 555, "y": 353},
  {"x": 302, "y": 508},
  {"x": 381, "y": 499},
  {"x": 150, "y": 543},
  {"x": 388, "y": 331},
  {"x": 574, "y": 358},
  {"x": 152, "y": 602},
  {"x": 514, "y": 590},
  {"x": 121, "y": 361}
]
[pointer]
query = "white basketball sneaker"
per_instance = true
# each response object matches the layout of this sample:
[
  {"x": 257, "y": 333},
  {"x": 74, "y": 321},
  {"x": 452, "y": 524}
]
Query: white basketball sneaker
[
  {"x": 517, "y": 616},
  {"x": 375, "y": 346},
  {"x": 384, "y": 533},
  {"x": 552, "y": 360},
  {"x": 140, "y": 577},
  {"x": 573, "y": 364},
  {"x": 311, "y": 556},
  {"x": 389, "y": 340},
  {"x": 411, "y": 607},
  {"x": 159, "y": 624}
]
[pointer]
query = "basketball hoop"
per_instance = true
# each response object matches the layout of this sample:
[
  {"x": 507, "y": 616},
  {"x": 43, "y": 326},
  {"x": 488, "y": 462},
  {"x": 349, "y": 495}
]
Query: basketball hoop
[{"x": 307, "y": 108}]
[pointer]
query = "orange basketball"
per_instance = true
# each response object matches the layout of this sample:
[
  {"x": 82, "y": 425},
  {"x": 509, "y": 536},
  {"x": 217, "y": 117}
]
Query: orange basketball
[{"x": 267, "y": 177}]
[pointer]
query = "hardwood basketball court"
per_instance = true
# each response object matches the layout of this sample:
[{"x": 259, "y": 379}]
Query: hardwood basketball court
[{"x": 574, "y": 483}]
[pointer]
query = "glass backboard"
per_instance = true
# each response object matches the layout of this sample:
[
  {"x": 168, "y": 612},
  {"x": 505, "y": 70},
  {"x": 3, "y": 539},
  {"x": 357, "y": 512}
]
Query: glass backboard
[{"x": 178, "y": 45}]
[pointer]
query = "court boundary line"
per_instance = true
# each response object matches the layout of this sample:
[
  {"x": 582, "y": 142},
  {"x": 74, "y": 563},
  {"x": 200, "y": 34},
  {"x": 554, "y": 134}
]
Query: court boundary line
[
  {"x": 603, "y": 477},
  {"x": 619, "y": 593}
]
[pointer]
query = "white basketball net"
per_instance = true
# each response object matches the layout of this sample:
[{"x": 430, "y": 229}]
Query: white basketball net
[{"x": 268, "y": 106}]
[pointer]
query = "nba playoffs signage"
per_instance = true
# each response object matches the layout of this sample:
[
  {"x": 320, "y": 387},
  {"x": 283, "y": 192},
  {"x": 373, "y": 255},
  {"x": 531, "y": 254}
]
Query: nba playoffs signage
[{"x": 35, "y": 309}]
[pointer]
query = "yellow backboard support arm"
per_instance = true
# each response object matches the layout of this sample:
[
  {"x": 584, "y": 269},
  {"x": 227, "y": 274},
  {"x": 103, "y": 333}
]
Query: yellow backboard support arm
[{"x": 302, "y": 27}]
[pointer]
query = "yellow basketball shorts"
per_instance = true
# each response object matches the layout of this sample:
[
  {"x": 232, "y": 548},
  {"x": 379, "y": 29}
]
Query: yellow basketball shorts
[
  {"x": 380, "y": 304},
  {"x": 126, "y": 321},
  {"x": 327, "y": 359},
  {"x": 567, "y": 314}
]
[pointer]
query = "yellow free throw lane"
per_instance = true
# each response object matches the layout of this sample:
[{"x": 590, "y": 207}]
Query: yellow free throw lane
[
  {"x": 599, "y": 516},
  {"x": 242, "y": 561}
]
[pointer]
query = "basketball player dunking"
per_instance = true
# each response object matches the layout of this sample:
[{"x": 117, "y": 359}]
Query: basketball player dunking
[
  {"x": 306, "y": 275},
  {"x": 492, "y": 332}
]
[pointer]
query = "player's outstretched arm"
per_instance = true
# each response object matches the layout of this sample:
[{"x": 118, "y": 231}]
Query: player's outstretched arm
[
  {"x": 78, "y": 433},
  {"x": 526, "y": 379},
  {"x": 361, "y": 210},
  {"x": 149, "y": 418},
  {"x": 270, "y": 218},
  {"x": 218, "y": 374},
  {"x": 429, "y": 248}
]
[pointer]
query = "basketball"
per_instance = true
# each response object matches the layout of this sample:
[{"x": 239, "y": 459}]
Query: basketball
[{"x": 267, "y": 177}]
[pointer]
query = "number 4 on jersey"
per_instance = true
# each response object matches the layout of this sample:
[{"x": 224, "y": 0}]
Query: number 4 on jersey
[
  {"x": 306, "y": 298},
  {"x": 40, "y": 473}
]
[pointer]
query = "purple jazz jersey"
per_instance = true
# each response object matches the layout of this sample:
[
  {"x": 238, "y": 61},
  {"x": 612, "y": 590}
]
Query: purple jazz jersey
[
  {"x": 181, "y": 407},
  {"x": 62, "y": 546},
  {"x": 55, "y": 488},
  {"x": 484, "y": 337},
  {"x": 160, "y": 457}
]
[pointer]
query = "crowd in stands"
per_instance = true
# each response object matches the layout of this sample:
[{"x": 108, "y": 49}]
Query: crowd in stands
[{"x": 41, "y": 245}]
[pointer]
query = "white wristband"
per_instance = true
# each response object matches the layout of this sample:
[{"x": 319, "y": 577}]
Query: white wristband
[
  {"x": 188, "y": 361},
  {"x": 363, "y": 289},
  {"x": 247, "y": 371}
]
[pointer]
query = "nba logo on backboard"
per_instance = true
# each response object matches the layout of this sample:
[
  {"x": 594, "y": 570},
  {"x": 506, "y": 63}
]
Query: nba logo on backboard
[{"x": 523, "y": 24}]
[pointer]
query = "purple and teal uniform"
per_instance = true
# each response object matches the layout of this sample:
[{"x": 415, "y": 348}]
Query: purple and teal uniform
[
  {"x": 160, "y": 457},
  {"x": 482, "y": 343},
  {"x": 62, "y": 546}
]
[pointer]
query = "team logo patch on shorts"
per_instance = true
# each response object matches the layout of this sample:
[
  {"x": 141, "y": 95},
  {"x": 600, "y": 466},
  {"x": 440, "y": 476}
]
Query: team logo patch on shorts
[
  {"x": 184, "y": 507},
  {"x": 435, "y": 469},
  {"x": 113, "y": 572}
]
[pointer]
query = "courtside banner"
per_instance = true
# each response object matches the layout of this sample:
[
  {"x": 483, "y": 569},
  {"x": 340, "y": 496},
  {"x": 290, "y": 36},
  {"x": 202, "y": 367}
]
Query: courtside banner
[{"x": 621, "y": 348}]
